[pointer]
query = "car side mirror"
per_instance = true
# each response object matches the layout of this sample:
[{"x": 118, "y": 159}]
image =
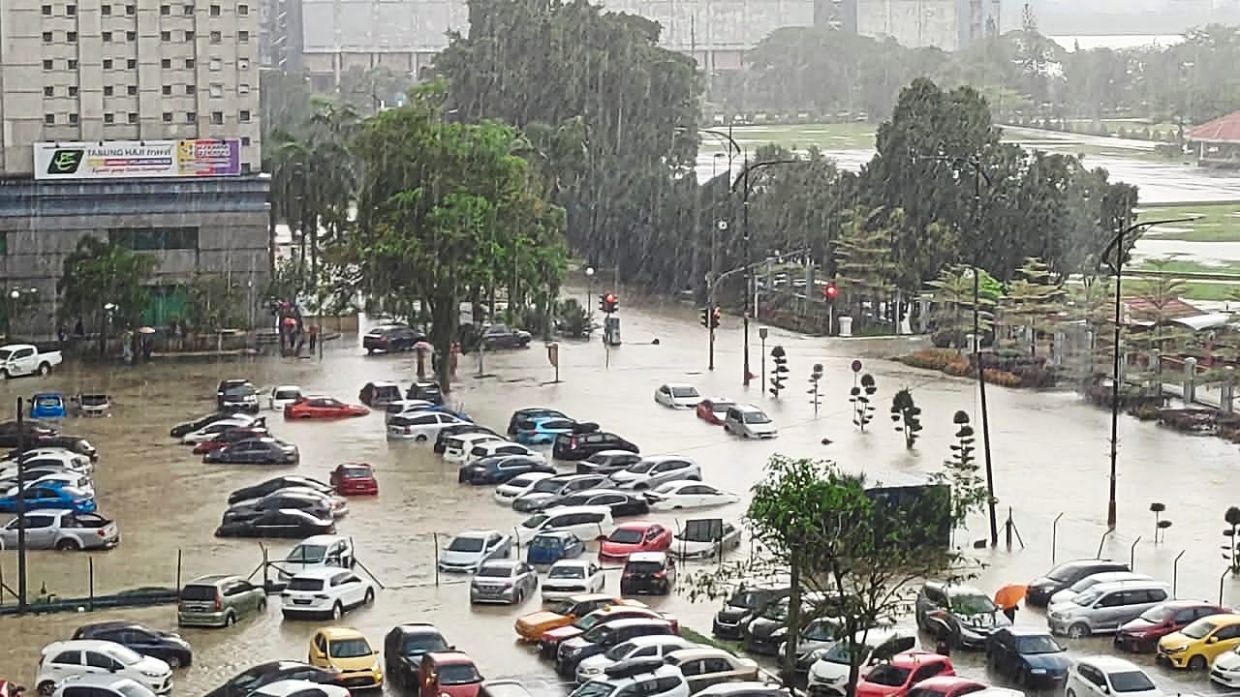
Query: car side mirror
[{"x": 1212, "y": 640}]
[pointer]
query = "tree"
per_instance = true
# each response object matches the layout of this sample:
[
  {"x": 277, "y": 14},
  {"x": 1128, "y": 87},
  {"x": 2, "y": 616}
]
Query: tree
[
  {"x": 952, "y": 313},
  {"x": 860, "y": 398},
  {"x": 1033, "y": 301},
  {"x": 1155, "y": 304},
  {"x": 863, "y": 259},
  {"x": 214, "y": 302},
  {"x": 100, "y": 273},
  {"x": 968, "y": 491},
  {"x": 446, "y": 210},
  {"x": 907, "y": 416}
]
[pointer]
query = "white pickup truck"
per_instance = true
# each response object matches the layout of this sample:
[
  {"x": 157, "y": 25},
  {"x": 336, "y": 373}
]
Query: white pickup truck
[{"x": 25, "y": 359}]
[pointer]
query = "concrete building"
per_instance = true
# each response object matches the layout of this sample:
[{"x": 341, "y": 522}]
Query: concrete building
[
  {"x": 136, "y": 121},
  {"x": 946, "y": 24}
]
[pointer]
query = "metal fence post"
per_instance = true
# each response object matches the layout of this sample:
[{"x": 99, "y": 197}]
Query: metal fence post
[
  {"x": 1175, "y": 572},
  {"x": 178, "y": 572},
  {"x": 1221, "y": 579},
  {"x": 1132, "y": 554},
  {"x": 1054, "y": 536},
  {"x": 1101, "y": 541},
  {"x": 435, "y": 539},
  {"x": 90, "y": 571}
]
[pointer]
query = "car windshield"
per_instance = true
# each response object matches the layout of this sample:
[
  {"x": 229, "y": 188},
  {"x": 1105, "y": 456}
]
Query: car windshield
[
  {"x": 1131, "y": 681},
  {"x": 287, "y": 394},
  {"x": 355, "y": 472},
  {"x": 1198, "y": 630},
  {"x": 495, "y": 571},
  {"x": 520, "y": 482},
  {"x": 756, "y": 417},
  {"x": 838, "y": 653},
  {"x": 720, "y": 407},
  {"x": 641, "y": 467},
  {"x": 1034, "y": 645},
  {"x": 589, "y": 621},
  {"x": 307, "y": 554},
  {"x": 888, "y": 674},
  {"x": 971, "y": 604},
  {"x": 625, "y": 536},
  {"x": 643, "y": 567},
  {"x": 131, "y": 689},
  {"x": 547, "y": 542},
  {"x": 419, "y": 644},
  {"x": 820, "y": 631},
  {"x": 1087, "y": 598},
  {"x": 466, "y": 544},
  {"x": 349, "y": 648},
  {"x": 458, "y": 674},
  {"x": 534, "y": 522},
  {"x": 684, "y": 392},
  {"x": 1061, "y": 573},
  {"x": 305, "y": 584},
  {"x": 1159, "y": 613},
  {"x": 776, "y": 611},
  {"x": 567, "y": 572},
  {"x": 94, "y": 400},
  {"x": 5, "y": 353},
  {"x": 595, "y": 688},
  {"x": 548, "y": 486}
]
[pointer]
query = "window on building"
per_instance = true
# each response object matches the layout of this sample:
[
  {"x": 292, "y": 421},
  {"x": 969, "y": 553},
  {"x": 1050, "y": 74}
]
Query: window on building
[
  {"x": 71, "y": 37},
  {"x": 49, "y": 119},
  {"x": 107, "y": 90},
  {"x": 4, "y": 244},
  {"x": 243, "y": 10},
  {"x": 73, "y": 119},
  {"x": 71, "y": 10},
  {"x": 191, "y": 117},
  {"x": 215, "y": 10},
  {"x": 216, "y": 37},
  {"x": 73, "y": 90},
  {"x": 165, "y": 10},
  {"x": 216, "y": 90},
  {"x": 191, "y": 89},
  {"x": 47, "y": 37},
  {"x": 217, "y": 118},
  {"x": 47, "y": 64},
  {"x": 245, "y": 141},
  {"x": 105, "y": 10},
  {"x": 131, "y": 90},
  {"x": 131, "y": 63},
  {"x": 243, "y": 64},
  {"x": 245, "y": 167},
  {"x": 189, "y": 35},
  {"x": 243, "y": 88},
  {"x": 107, "y": 37},
  {"x": 130, "y": 9},
  {"x": 243, "y": 37},
  {"x": 107, "y": 63},
  {"x": 167, "y": 90},
  {"x": 133, "y": 117},
  {"x": 216, "y": 64},
  {"x": 49, "y": 91},
  {"x": 165, "y": 63},
  {"x": 167, "y": 117},
  {"x": 165, "y": 35},
  {"x": 244, "y": 116},
  {"x": 155, "y": 239},
  {"x": 188, "y": 9},
  {"x": 190, "y": 63},
  {"x": 47, "y": 10},
  {"x": 109, "y": 118},
  {"x": 131, "y": 36},
  {"x": 72, "y": 63}
]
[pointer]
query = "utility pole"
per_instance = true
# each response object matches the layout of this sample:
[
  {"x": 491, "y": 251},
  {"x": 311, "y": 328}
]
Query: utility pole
[
  {"x": 977, "y": 345},
  {"x": 21, "y": 511}
]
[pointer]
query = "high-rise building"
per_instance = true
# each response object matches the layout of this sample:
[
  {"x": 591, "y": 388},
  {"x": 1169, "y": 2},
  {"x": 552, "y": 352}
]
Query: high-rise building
[{"x": 137, "y": 121}]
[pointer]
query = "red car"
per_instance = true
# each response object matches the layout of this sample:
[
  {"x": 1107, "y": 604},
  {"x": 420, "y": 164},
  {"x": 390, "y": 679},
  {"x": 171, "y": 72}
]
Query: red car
[
  {"x": 449, "y": 673},
  {"x": 905, "y": 670},
  {"x": 946, "y": 686},
  {"x": 641, "y": 536},
  {"x": 713, "y": 410},
  {"x": 232, "y": 435},
  {"x": 1142, "y": 634},
  {"x": 323, "y": 408},
  {"x": 355, "y": 479}
]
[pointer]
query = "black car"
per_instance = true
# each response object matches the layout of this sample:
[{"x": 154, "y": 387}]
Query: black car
[
  {"x": 74, "y": 444},
  {"x": 441, "y": 440},
  {"x": 257, "y": 451},
  {"x": 501, "y": 336},
  {"x": 277, "y": 483},
  {"x": 608, "y": 462},
  {"x": 1031, "y": 657},
  {"x": 289, "y": 524},
  {"x": 500, "y": 468},
  {"x": 428, "y": 391},
  {"x": 379, "y": 394},
  {"x": 741, "y": 606},
  {"x": 599, "y": 638},
  {"x": 245, "y": 683},
  {"x": 31, "y": 427},
  {"x": 551, "y": 488},
  {"x": 622, "y": 503},
  {"x": 166, "y": 646},
  {"x": 514, "y": 422},
  {"x": 766, "y": 631},
  {"x": 579, "y": 446},
  {"x": 391, "y": 338},
  {"x": 285, "y": 499},
  {"x": 648, "y": 572},
  {"x": 198, "y": 423},
  {"x": 1040, "y": 589},
  {"x": 403, "y": 648},
  {"x": 957, "y": 613},
  {"x": 236, "y": 395}
]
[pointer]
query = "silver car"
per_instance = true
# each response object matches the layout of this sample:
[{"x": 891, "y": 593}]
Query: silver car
[
  {"x": 63, "y": 530},
  {"x": 503, "y": 581},
  {"x": 1105, "y": 606}
]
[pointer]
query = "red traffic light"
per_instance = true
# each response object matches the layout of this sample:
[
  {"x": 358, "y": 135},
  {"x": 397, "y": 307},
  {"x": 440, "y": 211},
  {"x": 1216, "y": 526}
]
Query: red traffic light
[
  {"x": 831, "y": 291},
  {"x": 610, "y": 298}
]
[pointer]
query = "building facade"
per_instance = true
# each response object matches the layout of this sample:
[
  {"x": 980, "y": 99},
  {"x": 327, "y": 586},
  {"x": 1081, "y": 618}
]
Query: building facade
[{"x": 131, "y": 120}]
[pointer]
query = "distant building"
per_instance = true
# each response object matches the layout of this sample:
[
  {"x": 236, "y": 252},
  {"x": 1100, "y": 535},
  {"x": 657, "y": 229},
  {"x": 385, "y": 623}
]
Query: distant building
[
  {"x": 136, "y": 121},
  {"x": 945, "y": 24},
  {"x": 1217, "y": 142}
]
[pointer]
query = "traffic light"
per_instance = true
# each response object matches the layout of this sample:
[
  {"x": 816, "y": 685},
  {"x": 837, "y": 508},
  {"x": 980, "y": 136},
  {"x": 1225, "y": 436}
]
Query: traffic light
[
  {"x": 608, "y": 303},
  {"x": 830, "y": 291},
  {"x": 706, "y": 317},
  {"x": 714, "y": 318},
  {"x": 780, "y": 371}
]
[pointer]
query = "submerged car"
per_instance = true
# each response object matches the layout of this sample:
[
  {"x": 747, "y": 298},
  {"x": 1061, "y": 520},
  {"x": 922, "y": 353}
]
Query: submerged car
[
  {"x": 469, "y": 550},
  {"x": 403, "y": 649},
  {"x": 168, "y": 647},
  {"x": 283, "y": 395},
  {"x": 543, "y": 430},
  {"x": 532, "y": 627},
  {"x": 677, "y": 395},
  {"x": 232, "y": 435},
  {"x": 607, "y": 462},
  {"x": 281, "y": 523},
  {"x": 64, "y": 530},
  {"x": 520, "y": 415},
  {"x": 379, "y": 394},
  {"x": 705, "y": 538},
  {"x": 390, "y": 338},
  {"x": 355, "y": 479},
  {"x": 506, "y": 581},
  {"x": 579, "y": 446},
  {"x": 1142, "y": 634},
  {"x": 292, "y": 481},
  {"x": 498, "y": 336},
  {"x": 961, "y": 614},
  {"x": 50, "y": 496},
  {"x": 713, "y": 410},
  {"x": 648, "y": 572},
  {"x": 323, "y": 408},
  {"x": 631, "y": 538},
  {"x": 257, "y": 451},
  {"x": 255, "y": 678},
  {"x": 349, "y": 653}
]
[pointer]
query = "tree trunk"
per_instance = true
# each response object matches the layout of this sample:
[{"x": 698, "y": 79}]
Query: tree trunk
[
  {"x": 794, "y": 615},
  {"x": 444, "y": 314}
]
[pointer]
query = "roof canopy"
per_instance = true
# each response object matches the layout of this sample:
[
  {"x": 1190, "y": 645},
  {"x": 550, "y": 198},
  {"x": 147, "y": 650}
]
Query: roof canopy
[{"x": 1224, "y": 129}]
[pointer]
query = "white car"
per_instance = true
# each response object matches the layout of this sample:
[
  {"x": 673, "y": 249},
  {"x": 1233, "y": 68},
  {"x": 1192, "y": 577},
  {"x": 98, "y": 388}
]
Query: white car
[
  {"x": 586, "y": 522},
  {"x": 492, "y": 448},
  {"x": 677, "y": 396},
  {"x": 1104, "y": 676},
  {"x": 208, "y": 432},
  {"x": 468, "y": 550},
  {"x": 507, "y": 492},
  {"x": 101, "y": 685},
  {"x": 753, "y": 688},
  {"x": 68, "y": 459},
  {"x": 1065, "y": 596},
  {"x": 457, "y": 448},
  {"x": 636, "y": 679},
  {"x": 702, "y": 539},
  {"x": 300, "y": 688},
  {"x": 655, "y": 646},
  {"x": 828, "y": 674},
  {"x": 651, "y": 472},
  {"x": 318, "y": 552},
  {"x": 282, "y": 396},
  {"x": 325, "y": 592},
  {"x": 748, "y": 421},
  {"x": 420, "y": 426},
  {"x": 677, "y": 495},
  {"x": 1226, "y": 670},
  {"x": 405, "y": 407},
  {"x": 65, "y": 659},
  {"x": 571, "y": 577},
  {"x": 68, "y": 479}
]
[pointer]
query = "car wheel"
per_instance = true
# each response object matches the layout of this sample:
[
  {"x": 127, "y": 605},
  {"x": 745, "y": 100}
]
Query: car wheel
[
  {"x": 1022, "y": 677},
  {"x": 44, "y": 369},
  {"x": 1078, "y": 631},
  {"x": 230, "y": 619},
  {"x": 173, "y": 660},
  {"x": 262, "y": 605},
  {"x": 1197, "y": 663},
  {"x": 68, "y": 544},
  {"x": 337, "y": 611},
  {"x": 518, "y": 597},
  {"x": 1070, "y": 693},
  {"x": 370, "y": 596},
  {"x": 420, "y": 439},
  {"x": 4, "y": 374},
  {"x": 47, "y": 687}
]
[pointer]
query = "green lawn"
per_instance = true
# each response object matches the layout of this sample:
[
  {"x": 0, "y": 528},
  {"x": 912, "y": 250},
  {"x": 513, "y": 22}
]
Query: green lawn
[
  {"x": 1210, "y": 291},
  {"x": 826, "y": 136},
  {"x": 1220, "y": 222}
]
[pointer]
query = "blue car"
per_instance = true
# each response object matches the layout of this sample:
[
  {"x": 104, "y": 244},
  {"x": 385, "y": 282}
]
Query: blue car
[
  {"x": 549, "y": 547},
  {"x": 541, "y": 430},
  {"x": 50, "y": 495},
  {"x": 48, "y": 405}
]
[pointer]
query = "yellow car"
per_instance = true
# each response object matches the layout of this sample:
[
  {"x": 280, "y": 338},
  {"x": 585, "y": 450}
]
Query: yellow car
[
  {"x": 1197, "y": 645},
  {"x": 348, "y": 652}
]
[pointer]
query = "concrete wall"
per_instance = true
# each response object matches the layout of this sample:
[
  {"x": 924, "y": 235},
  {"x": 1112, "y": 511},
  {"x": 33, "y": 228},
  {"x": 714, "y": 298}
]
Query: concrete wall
[
  {"x": 42, "y": 222},
  {"x": 913, "y": 23}
]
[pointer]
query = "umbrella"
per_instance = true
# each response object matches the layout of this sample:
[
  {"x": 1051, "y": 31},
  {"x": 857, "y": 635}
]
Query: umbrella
[
  {"x": 423, "y": 346},
  {"x": 146, "y": 330},
  {"x": 1010, "y": 595}
]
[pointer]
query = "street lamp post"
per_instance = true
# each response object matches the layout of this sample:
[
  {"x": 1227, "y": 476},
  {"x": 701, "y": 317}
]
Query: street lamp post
[
  {"x": 589, "y": 286},
  {"x": 720, "y": 226},
  {"x": 108, "y": 309},
  {"x": 1117, "y": 269}
]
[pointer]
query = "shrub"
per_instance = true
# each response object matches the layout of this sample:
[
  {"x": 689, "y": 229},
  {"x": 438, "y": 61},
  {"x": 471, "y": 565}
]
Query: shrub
[
  {"x": 959, "y": 367},
  {"x": 1000, "y": 377},
  {"x": 1144, "y": 411},
  {"x": 931, "y": 359}
]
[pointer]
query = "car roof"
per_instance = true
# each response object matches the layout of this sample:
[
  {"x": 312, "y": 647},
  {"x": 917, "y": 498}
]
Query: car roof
[
  {"x": 1131, "y": 583},
  {"x": 1110, "y": 664},
  {"x": 82, "y": 645},
  {"x": 280, "y": 688},
  {"x": 1027, "y": 631},
  {"x": 446, "y": 657},
  {"x": 324, "y": 540},
  {"x": 319, "y": 573},
  {"x": 109, "y": 624},
  {"x": 727, "y": 688},
  {"x": 748, "y": 407},
  {"x": 501, "y": 563},
  {"x": 697, "y": 652},
  {"x": 583, "y": 563},
  {"x": 560, "y": 510},
  {"x": 103, "y": 680},
  {"x": 636, "y": 621},
  {"x": 417, "y": 628},
  {"x": 477, "y": 533},
  {"x": 659, "y": 557},
  {"x": 637, "y": 525},
  {"x": 211, "y": 580},
  {"x": 660, "y": 639},
  {"x": 558, "y": 534},
  {"x": 679, "y": 384},
  {"x": 665, "y": 458},
  {"x": 613, "y": 452},
  {"x": 340, "y": 633},
  {"x": 1223, "y": 618},
  {"x": 947, "y": 682},
  {"x": 916, "y": 657}
]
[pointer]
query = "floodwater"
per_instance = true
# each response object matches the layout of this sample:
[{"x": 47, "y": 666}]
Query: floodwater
[{"x": 1050, "y": 458}]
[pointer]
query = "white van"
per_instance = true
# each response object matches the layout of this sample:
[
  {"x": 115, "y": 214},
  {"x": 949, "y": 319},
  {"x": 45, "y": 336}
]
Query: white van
[
  {"x": 456, "y": 448},
  {"x": 318, "y": 552},
  {"x": 748, "y": 421},
  {"x": 586, "y": 522}
]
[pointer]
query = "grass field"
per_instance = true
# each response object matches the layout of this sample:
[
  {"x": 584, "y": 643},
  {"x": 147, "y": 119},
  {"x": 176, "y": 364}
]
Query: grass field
[
  {"x": 826, "y": 136},
  {"x": 1220, "y": 222}
]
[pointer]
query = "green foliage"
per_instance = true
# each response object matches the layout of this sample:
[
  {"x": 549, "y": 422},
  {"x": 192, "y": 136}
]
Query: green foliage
[
  {"x": 214, "y": 302},
  {"x": 907, "y": 416},
  {"x": 953, "y": 300},
  {"x": 864, "y": 262},
  {"x": 961, "y": 472},
  {"x": 97, "y": 273},
  {"x": 862, "y": 404},
  {"x": 575, "y": 321},
  {"x": 1033, "y": 301}
]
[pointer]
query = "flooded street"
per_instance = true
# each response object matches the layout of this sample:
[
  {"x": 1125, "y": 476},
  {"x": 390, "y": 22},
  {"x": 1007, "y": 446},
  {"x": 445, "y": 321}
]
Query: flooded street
[{"x": 1050, "y": 457}]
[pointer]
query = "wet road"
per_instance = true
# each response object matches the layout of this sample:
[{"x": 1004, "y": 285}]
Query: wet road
[{"x": 1049, "y": 453}]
